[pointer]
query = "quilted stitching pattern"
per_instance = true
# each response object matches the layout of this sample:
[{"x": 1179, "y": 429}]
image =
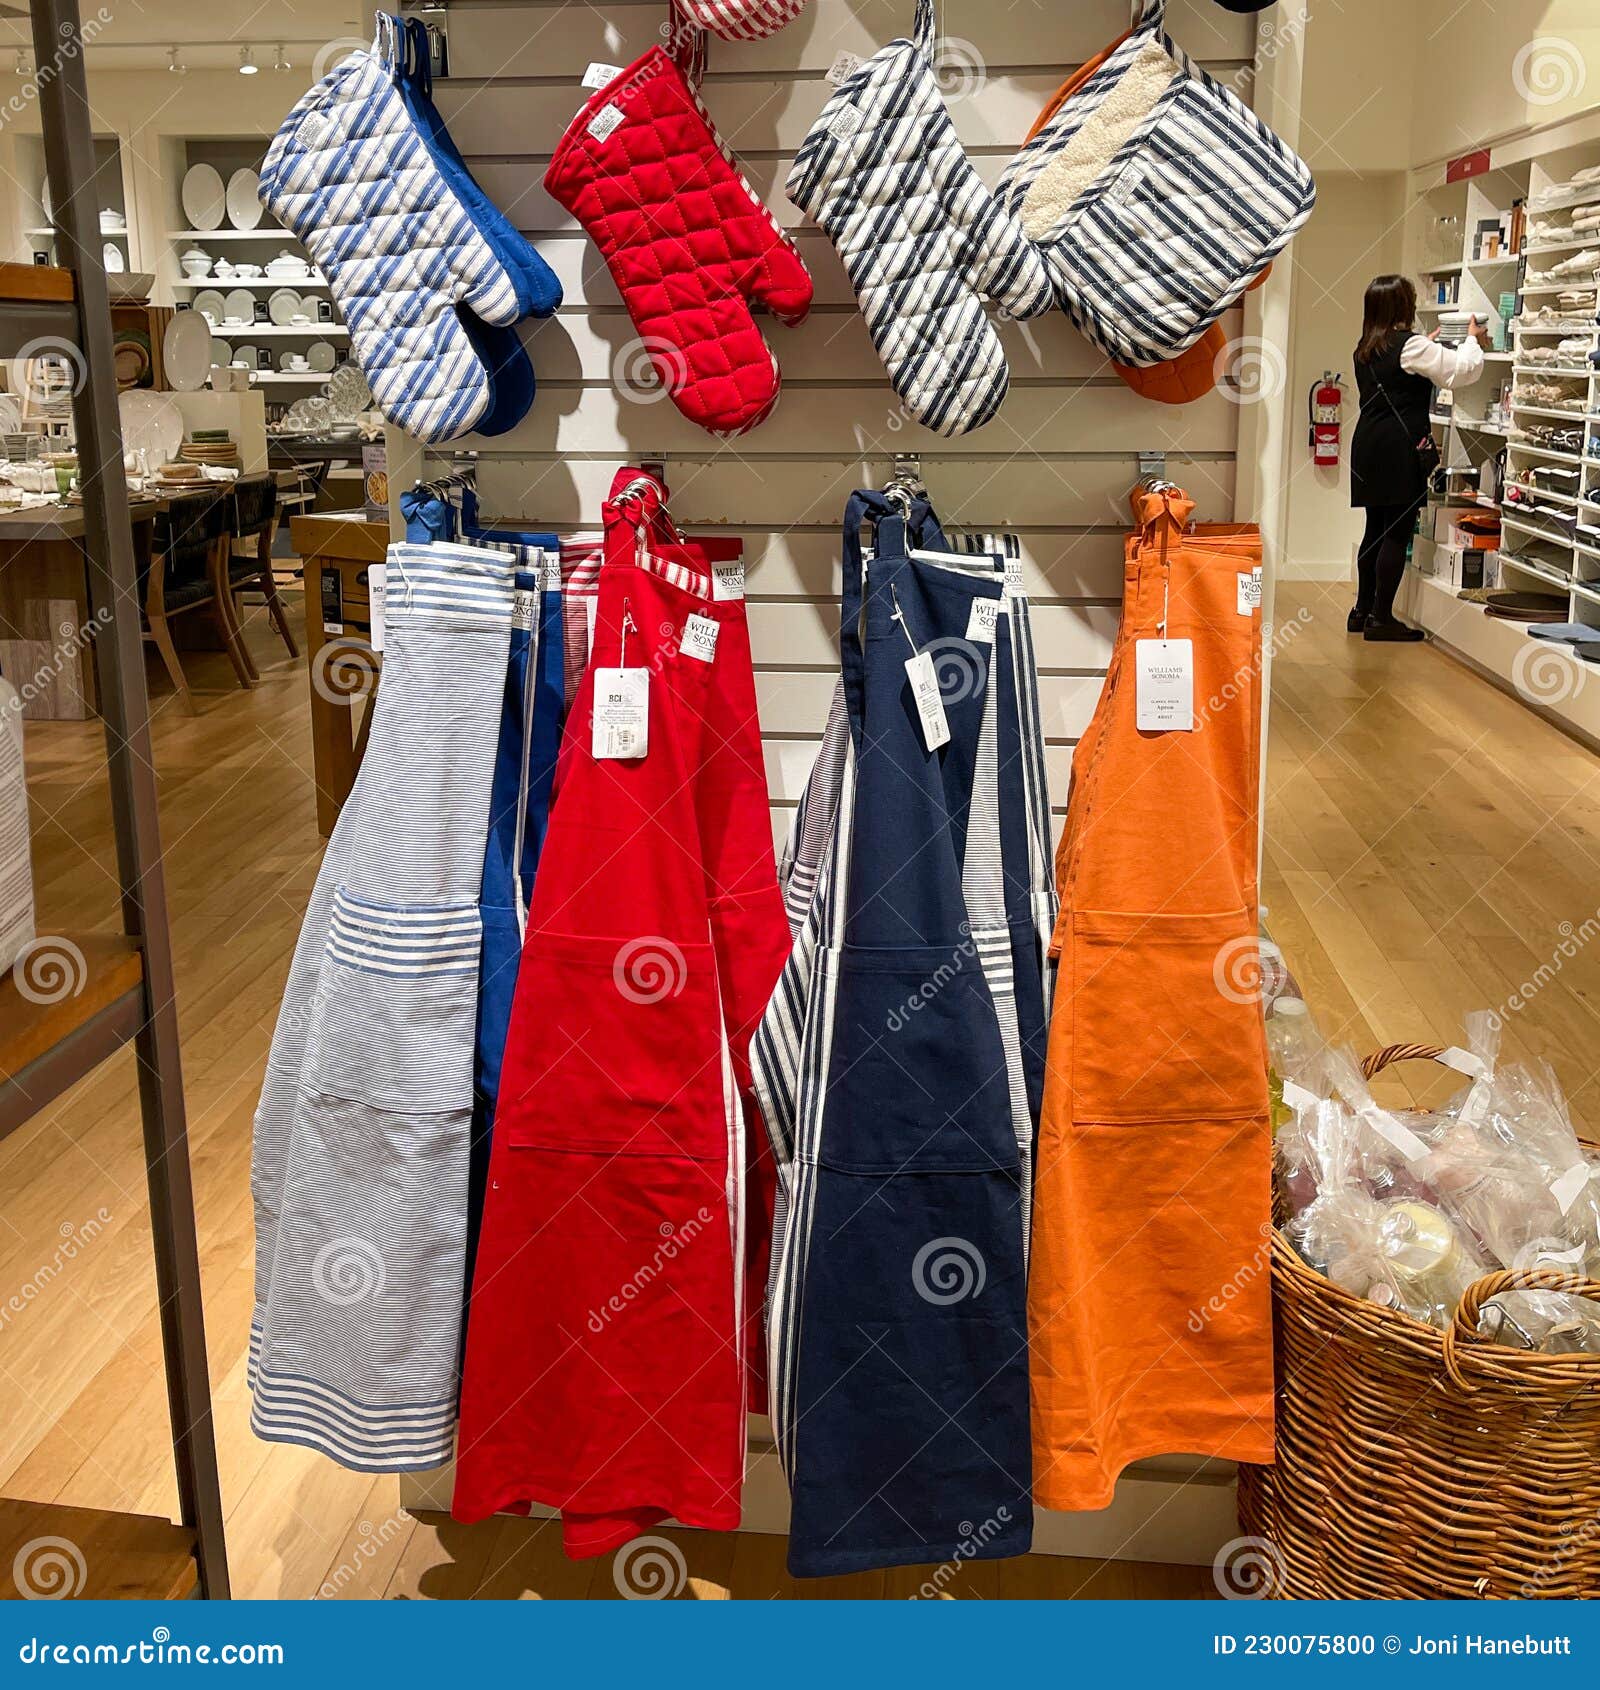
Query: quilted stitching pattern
[
  {"x": 349, "y": 175},
  {"x": 686, "y": 240},
  {"x": 1183, "y": 215},
  {"x": 741, "y": 20},
  {"x": 884, "y": 173}
]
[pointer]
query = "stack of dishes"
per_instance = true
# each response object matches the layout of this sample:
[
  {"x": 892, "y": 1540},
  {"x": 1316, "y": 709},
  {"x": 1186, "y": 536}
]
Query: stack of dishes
[{"x": 211, "y": 446}]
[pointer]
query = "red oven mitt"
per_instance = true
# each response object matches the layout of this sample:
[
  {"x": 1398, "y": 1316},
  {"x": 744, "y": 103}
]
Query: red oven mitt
[{"x": 689, "y": 245}]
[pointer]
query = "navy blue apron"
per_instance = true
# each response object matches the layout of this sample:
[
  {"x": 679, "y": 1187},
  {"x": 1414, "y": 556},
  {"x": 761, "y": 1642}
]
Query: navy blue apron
[{"x": 902, "y": 1409}]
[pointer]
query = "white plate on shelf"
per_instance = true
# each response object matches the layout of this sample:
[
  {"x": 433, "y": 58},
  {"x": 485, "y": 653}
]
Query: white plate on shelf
[
  {"x": 209, "y": 301},
  {"x": 204, "y": 197},
  {"x": 152, "y": 423},
  {"x": 241, "y": 303},
  {"x": 249, "y": 356},
  {"x": 111, "y": 257},
  {"x": 287, "y": 364},
  {"x": 321, "y": 356},
  {"x": 186, "y": 351},
  {"x": 284, "y": 306},
  {"x": 348, "y": 394},
  {"x": 244, "y": 205}
]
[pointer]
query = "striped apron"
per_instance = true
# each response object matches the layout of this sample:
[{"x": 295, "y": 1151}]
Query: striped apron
[
  {"x": 889, "y": 1070},
  {"x": 359, "y": 1169},
  {"x": 604, "y": 1367}
]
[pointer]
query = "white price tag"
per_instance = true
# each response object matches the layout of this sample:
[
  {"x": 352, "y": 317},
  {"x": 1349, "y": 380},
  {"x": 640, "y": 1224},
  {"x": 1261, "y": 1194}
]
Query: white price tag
[
  {"x": 621, "y": 713},
  {"x": 605, "y": 122},
  {"x": 981, "y": 620},
  {"x": 727, "y": 580},
  {"x": 523, "y": 600},
  {"x": 700, "y": 637},
  {"x": 549, "y": 571},
  {"x": 1164, "y": 693},
  {"x": 1567, "y": 1188},
  {"x": 1249, "y": 592},
  {"x": 844, "y": 66},
  {"x": 598, "y": 75},
  {"x": 377, "y": 589},
  {"x": 1013, "y": 576},
  {"x": 924, "y": 680}
]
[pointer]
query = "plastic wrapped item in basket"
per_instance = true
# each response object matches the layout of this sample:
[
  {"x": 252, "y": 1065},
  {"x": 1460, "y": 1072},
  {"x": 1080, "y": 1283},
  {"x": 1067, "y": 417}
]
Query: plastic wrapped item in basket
[{"x": 1414, "y": 1462}]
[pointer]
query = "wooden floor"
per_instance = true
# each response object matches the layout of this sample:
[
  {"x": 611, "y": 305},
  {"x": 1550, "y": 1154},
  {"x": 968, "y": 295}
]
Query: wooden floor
[{"x": 1428, "y": 839}]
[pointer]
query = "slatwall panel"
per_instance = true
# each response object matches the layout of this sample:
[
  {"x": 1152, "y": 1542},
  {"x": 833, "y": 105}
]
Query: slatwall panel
[{"x": 1054, "y": 466}]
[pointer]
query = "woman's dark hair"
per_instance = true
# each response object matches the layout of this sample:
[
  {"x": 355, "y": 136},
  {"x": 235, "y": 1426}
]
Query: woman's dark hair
[{"x": 1390, "y": 304}]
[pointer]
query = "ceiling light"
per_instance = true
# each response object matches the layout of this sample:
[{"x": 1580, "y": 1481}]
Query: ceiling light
[
  {"x": 281, "y": 61},
  {"x": 247, "y": 63},
  {"x": 174, "y": 63}
]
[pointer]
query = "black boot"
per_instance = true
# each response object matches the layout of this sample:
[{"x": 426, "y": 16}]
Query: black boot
[
  {"x": 1356, "y": 621},
  {"x": 1391, "y": 632}
]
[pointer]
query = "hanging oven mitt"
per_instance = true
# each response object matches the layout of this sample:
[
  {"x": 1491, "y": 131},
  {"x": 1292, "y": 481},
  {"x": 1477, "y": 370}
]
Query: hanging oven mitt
[
  {"x": 739, "y": 20},
  {"x": 1155, "y": 195},
  {"x": 923, "y": 240},
  {"x": 688, "y": 244},
  {"x": 351, "y": 176}
]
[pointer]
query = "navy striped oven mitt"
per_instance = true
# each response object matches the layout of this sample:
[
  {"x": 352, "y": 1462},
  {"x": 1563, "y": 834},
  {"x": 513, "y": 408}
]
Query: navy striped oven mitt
[{"x": 924, "y": 242}]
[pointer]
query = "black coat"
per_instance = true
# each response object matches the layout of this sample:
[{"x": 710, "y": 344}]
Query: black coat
[{"x": 1385, "y": 466}]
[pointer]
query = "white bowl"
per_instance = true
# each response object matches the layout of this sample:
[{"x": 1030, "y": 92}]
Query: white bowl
[{"x": 197, "y": 267}]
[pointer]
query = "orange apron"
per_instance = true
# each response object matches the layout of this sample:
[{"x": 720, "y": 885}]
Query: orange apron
[{"x": 1149, "y": 1299}]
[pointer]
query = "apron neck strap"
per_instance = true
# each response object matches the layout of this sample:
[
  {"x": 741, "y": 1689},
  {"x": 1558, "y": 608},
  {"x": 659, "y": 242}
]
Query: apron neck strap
[
  {"x": 418, "y": 57},
  {"x": 925, "y": 30},
  {"x": 889, "y": 550}
]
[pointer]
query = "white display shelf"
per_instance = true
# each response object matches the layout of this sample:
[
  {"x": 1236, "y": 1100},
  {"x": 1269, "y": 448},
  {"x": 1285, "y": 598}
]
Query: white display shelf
[
  {"x": 267, "y": 232},
  {"x": 280, "y": 331},
  {"x": 223, "y": 283},
  {"x": 287, "y": 377}
]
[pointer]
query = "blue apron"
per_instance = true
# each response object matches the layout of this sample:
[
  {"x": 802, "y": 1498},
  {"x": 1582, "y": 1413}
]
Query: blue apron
[{"x": 897, "y": 1307}]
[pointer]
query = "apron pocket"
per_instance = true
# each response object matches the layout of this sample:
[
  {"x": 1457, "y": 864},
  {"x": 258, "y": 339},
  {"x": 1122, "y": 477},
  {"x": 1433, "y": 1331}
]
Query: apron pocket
[
  {"x": 394, "y": 1009},
  {"x": 917, "y": 1072},
  {"x": 617, "y": 1051},
  {"x": 1166, "y": 1018}
]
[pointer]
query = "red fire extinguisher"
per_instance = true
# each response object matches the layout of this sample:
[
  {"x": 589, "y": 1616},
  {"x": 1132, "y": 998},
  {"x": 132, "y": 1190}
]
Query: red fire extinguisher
[{"x": 1327, "y": 401}]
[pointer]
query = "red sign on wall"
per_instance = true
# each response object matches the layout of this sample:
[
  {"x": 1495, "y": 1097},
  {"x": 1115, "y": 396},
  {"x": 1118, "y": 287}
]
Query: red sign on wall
[{"x": 1469, "y": 164}]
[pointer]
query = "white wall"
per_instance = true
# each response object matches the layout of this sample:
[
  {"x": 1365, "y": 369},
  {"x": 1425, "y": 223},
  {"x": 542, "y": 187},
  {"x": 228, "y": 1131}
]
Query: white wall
[
  {"x": 1353, "y": 235},
  {"x": 1360, "y": 60}
]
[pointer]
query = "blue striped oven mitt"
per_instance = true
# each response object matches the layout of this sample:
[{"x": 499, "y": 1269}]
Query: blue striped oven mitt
[
  {"x": 1156, "y": 196},
  {"x": 428, "y": 274},
  {"x": 884, "y": 174}
]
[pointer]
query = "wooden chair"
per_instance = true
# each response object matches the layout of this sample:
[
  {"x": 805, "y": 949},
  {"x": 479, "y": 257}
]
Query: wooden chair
[
  {"x": 186, "y": 565},
  {"x": 253, "y": 518}
]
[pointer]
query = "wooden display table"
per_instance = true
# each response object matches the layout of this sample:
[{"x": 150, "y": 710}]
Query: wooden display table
[{"x": 341, "y": 665}]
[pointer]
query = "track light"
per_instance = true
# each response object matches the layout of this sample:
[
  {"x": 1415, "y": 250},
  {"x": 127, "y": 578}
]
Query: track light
[
  {"x": 174, "y": 63},
  {"x": 281, "y": 60},
  {"x": 247, "y": 63}
]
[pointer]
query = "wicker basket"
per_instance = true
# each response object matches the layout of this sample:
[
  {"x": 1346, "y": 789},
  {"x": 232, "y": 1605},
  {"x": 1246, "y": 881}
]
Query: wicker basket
[{"x": 1418, "y": 1463}]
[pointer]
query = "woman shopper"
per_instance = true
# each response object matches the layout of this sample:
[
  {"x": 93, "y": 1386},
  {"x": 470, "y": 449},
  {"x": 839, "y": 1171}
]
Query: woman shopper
[{"x": 1394, "y": 451}]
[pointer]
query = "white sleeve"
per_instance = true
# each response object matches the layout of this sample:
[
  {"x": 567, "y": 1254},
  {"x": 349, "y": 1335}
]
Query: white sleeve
[{"x": 1444, "y": 366}]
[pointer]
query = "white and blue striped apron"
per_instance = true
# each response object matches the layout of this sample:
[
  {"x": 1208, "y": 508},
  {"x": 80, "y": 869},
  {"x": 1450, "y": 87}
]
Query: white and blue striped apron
[{"x": 360, "y": 1159}]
